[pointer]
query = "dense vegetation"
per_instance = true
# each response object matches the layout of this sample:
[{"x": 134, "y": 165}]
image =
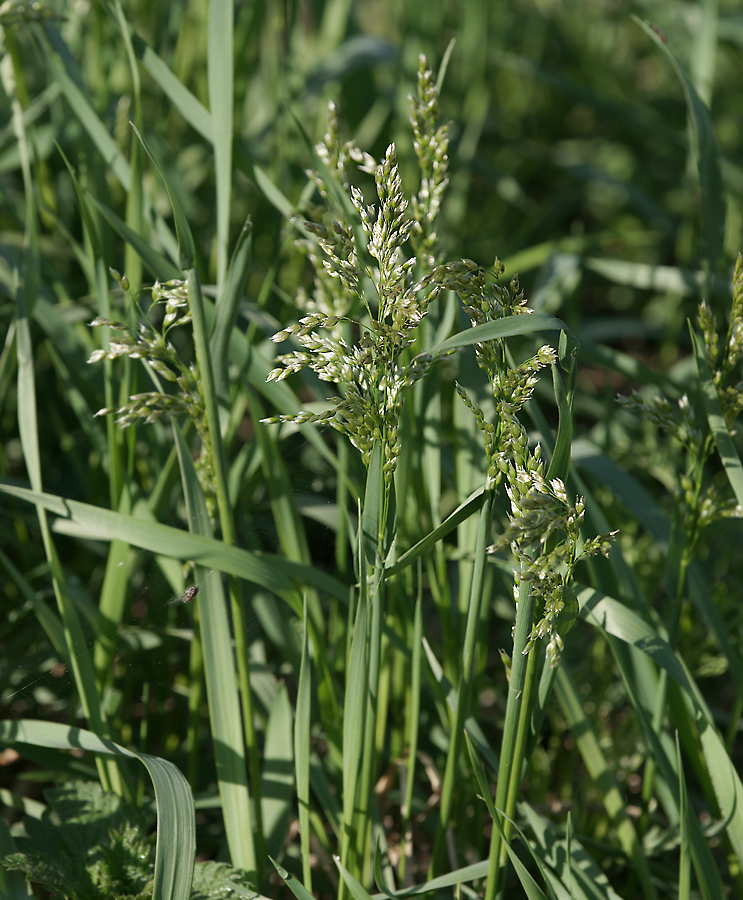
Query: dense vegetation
[{"x": 282, "y": 590}]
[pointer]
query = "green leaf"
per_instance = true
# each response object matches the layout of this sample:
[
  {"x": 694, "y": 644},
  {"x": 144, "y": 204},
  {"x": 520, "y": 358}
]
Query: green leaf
[
  {"x": 176, "y": 826},
  {"x": 532, "y": 889},
  {"x": 227, "y": 307},
  {"x": 221, "y": 79},
  {"x": 357, "y": 889},
  {"x": 221, "y": 681},
  {"x": 302, "y": 720},
  {"x": 616, "y": 619},
  {"x": 466, "y": 509}
]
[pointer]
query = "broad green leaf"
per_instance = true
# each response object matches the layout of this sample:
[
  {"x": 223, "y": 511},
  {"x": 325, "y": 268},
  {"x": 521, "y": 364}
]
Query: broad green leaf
[{"x": 176, "y": 826}]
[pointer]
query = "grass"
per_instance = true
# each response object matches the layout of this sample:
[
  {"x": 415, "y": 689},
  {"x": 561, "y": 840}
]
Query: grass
[{"x": 352, "y": 702}]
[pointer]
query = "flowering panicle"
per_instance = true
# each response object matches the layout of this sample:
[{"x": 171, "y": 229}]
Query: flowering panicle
[
  {"x": 151, "y": 345},
  {"x": 544, "y": 528},
  {"x": 373, "y": 373},
  {"x": 431, "y": 145},
  {"x": 699, "y": 505},
  {"x": 338, "y": 155}
]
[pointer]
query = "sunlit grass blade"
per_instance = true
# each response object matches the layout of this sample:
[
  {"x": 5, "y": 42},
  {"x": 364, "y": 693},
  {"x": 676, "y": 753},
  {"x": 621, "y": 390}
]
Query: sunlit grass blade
[
  {"x": 509, "y": 326},
  {"x": 194, "y": 112},
  {"x": 82, "y": 107},
  {"x": 104, "y": 524},
  {"x": 278, "y": 774}
]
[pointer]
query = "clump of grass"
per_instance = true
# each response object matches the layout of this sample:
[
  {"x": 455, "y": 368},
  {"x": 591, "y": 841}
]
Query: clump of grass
[{"x": 639, "y": 626}]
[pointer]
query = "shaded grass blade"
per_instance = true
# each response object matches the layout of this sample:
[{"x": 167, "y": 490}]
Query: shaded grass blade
[
  {"x": 186, "y": 249},
  {"x": 712, "y": 232}
]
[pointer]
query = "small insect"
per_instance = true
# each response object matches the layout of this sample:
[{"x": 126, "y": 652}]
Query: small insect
[{"x": 186, "y": 597}]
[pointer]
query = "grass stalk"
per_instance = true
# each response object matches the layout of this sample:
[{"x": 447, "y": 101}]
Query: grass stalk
[
  {"x": 509, "y": 764},
  {"x": 464, "y": 689}
]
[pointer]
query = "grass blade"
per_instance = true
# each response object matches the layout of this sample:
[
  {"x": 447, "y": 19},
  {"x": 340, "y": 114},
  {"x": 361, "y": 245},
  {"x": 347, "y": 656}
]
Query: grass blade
[
  {"x": 712, "y": 232},
  {"x": 220, "y": 61},
  {"x": 221, "y": 683},
  {"x": 104, "y": 524}
]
